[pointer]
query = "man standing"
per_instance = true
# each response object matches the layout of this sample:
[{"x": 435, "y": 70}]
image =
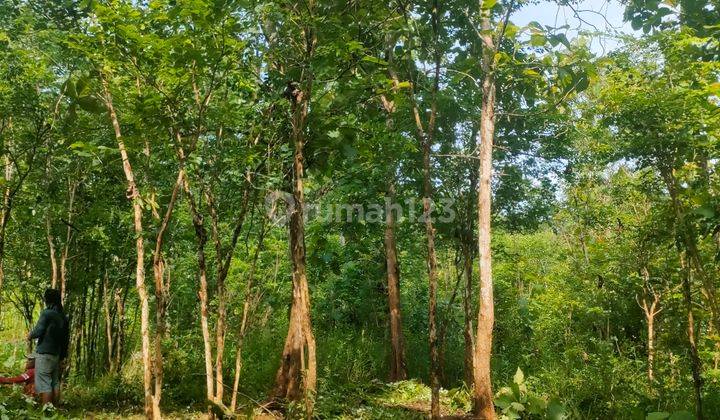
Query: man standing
[{"x": 53, "y": 334}]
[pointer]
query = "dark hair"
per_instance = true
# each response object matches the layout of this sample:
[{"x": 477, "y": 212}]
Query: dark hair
[{"x": 53, "y": 299}]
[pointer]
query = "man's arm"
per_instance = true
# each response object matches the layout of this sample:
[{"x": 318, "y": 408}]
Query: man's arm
[
  {"x": 41, "y": 326},
  {"x": 20, "y": 379}
]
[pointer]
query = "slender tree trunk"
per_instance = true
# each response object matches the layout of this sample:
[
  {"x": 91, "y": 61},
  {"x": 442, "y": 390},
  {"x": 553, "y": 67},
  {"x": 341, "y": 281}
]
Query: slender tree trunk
[
  {"x": 201, "y": 236},
  {"x": 468, "y": 316},
  {"x": 482, "y": 392},
  {"x": 119, "y": 336},
  {"x": 108, "y": 321},
  {"x": 224, "y": 260},
  {"x": 247, "y": 307},
  {"x": 650, "y": 312},
  {"x": 467, "y": 246},
  {"x": 650, "y": 309},
  {"x": 398, "y": 368},
  {"x": 433, "y": 285},
  {"x": 134, "y": 195},
  {"x": 68, "y": 236},
  {"x": 51, "y": 250},
  {"x": 4, "y": 219},
  {"x": 398, "y": 365},
  {"x": 651, "y": 346},
  {"x": 162, "y": 289},
  {"x": 694, "y": 357},
  {"x": 426, "y": 140},
  {"x": 297, "y": 376}
]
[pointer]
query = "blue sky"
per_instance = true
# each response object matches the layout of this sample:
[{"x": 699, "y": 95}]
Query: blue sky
[{"x": 595, "y": 15}]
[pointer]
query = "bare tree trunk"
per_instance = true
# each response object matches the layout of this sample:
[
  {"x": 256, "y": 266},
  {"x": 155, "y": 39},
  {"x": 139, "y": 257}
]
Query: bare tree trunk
[
  {"x": 119, "y": 337},
  {"x": 51, "y": 249},
  {"x": 223, "y": 266},
  {"x": 68, "y": 236},
  {"x": 398, "y": 365},
  {"x": 134, "y": 195},
  {"x": 426, "y": 140},
  {"x": 650, "y": 309},
  {"x": 650, "y": 312},
  {"x": 696, "y": 363},
  {"x": 468, "y": 316},
  {"x": 247, "y": 306},
  {"x": 4, "y": 219},
  {"x": 433, "y": 285},
  {"x": 108, "y": 321},
  {"x": 162, "y": 289},
  {"x": 483, "y": 406},
  {"x": 398, "y": 368},
  {"x": 201, "y": 235},
  {"x": 297, "y": 376},
  {"x": 221, "y": 299}
]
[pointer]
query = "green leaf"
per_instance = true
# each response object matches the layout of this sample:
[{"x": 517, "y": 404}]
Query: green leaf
[
  {"x": 69, "y": 89},
  {"x": 372, "y": 59},
  {"x": 504, "y": 400},
  {"x": 705, "y": 211},
  {"x": 91, "y": 104},
  {"x": 582, "y": 83},
  {"x": 555, "y": 411},
  {"x": 81, "y": 85},
  {"x": 563, "y": 39},
  {"x": 519, "y": 377},
  {"x": 516, "y": 390},
  {"x": 511, "y": 31},
  {"x": 488, "y": 4},
  {"x": 537, "y": 40},
  {"x": 536, "y": 405}
]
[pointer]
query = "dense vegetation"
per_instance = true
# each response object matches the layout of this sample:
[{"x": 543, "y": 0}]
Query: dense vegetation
[{"x": 363, "y": 209}]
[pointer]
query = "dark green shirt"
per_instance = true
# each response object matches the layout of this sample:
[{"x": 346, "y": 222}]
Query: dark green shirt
[{"x": 52, "y": 332}]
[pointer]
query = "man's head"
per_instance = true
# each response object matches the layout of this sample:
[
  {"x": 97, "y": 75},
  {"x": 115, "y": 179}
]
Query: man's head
[{"x": 53, "y": 298}]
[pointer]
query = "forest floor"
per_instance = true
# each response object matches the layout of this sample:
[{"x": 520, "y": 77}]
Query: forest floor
[{"x": 403, "y": 400}]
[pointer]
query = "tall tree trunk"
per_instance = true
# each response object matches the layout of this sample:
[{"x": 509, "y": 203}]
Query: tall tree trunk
[
  {"x": 468, "y": 316},
  {"x": 467, "y": 246},
  {"x": 108, "y": 321},
  {"x": 398, "y": 365},
  {"x": 482, "y": 392},
  {"x": 201, "y": 237},
  {"x": 398, "y": 368},
  {"x": 4, "y": 219},
  {"x": 224, "y": 259},
  {"x": 297, "y": 376},
  {"x": 247, "y": 307},
  {"x": 694, "y": 357},
  {"x": 133, "y": 194},
  {"x": 426, "y": 139},
  {"x": 119, "y": 336},
  {"x": 650, "y": 309},
  {"x": 72, "y": 188},
  {"x": 432, "y": 286},
  {"x": 162, "y": 289},
  {"x": 51, "y": 250}
]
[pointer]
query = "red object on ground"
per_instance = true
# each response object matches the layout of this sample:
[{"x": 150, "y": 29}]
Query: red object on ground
[{"x": 27, "y": 378}]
